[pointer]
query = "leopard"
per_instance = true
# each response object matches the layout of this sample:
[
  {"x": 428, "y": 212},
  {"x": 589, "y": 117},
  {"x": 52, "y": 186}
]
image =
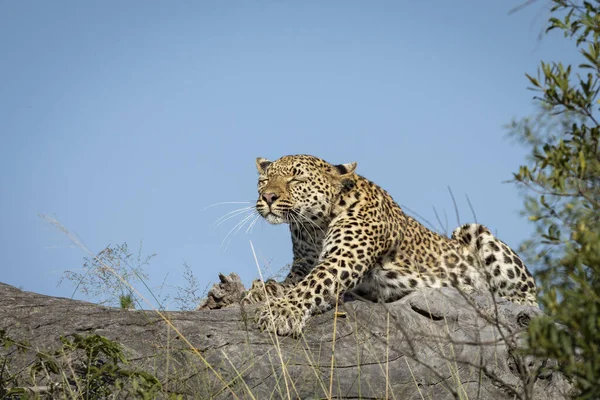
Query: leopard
[{"x": 351, "y": 240}]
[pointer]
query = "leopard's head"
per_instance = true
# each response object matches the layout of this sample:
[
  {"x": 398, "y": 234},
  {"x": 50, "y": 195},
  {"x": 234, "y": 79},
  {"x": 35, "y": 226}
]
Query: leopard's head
[{"x": 300, "y": 189}]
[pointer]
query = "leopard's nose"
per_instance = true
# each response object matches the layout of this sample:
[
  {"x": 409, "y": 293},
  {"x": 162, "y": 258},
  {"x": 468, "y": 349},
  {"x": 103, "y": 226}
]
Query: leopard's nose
[{"x": 269, "y": 198}]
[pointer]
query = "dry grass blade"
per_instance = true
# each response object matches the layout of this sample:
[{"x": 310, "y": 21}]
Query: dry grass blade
[
  {"x": 79, "y": 244},
  {"x": 274, "y": 337},
  {"x": 455, "y": 207},
  {"x": 333, "y": 341}
]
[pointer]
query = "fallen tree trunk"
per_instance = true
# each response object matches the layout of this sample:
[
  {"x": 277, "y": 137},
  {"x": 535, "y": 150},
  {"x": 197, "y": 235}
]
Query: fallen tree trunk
[{"x": 433, "y": 344}]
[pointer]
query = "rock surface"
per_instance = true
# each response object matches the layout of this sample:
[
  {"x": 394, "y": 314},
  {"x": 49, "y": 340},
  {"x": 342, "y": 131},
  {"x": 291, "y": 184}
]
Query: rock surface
[{"x": 433, "y": 344}]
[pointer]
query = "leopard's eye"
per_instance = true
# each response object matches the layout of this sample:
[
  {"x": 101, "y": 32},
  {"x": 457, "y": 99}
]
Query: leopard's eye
[
  {"x": 262, "y": 181},
  {"x": 298, "y": 179}
]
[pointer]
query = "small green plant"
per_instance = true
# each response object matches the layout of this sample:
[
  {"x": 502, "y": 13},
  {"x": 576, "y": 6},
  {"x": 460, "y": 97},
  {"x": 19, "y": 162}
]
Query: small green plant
[
  {"x": 7, "y": 378},
  {"x": 101, "y": 371},
  {"x": 127, "y": 302},
  {"x": 83, "y": 367}
]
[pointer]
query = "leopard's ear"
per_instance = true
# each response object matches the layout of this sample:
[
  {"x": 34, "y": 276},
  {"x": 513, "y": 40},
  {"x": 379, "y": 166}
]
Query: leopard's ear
[
  {"x": 346, "y": 169},
  {"x": 262, "y": 164}
]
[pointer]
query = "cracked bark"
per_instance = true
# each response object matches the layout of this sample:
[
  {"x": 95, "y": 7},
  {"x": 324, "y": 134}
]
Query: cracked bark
[{"x": 428, "y": 356}]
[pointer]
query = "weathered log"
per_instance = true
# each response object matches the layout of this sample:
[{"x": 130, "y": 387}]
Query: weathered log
[{"x": 435, "y": 344}]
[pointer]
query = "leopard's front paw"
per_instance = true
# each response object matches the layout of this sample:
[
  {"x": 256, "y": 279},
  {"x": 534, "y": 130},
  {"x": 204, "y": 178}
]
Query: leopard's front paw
[
  {"x": 256, "y": 294},
  {"x": 282, "y": 317}
]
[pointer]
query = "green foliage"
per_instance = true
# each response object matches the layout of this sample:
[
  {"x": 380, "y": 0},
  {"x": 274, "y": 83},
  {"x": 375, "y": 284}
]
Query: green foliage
[
  {"x": 127, "y": 302},
  {"x": 101, "y": 369},
  {"x": 562, "y": 187},
  {"x": 86, "y": 367},
  {"x": 7, "y": 378}
]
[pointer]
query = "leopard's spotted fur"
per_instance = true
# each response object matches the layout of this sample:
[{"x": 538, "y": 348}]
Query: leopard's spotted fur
[{"x": 349, "y": 236}]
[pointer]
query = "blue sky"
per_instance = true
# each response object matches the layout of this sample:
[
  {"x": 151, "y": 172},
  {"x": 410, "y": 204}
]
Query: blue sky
[{"x": 126, "y": 120}]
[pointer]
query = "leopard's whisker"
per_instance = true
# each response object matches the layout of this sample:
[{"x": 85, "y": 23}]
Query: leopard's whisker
[
  {"x": 226, "y": 202},
  {"x": 249, "y": 229},
  {"x": 297, "y": 215},
  {"x": 238, "y": 227},
  {"x": 301, "y": 226},
  {"x": 313, "y": 227},
  {"x": 232, "y": 214},
  {"x": 294, "y": 220},
  {"x": 258, "y": 218},
  {"x": 246, "y": 220},
  {"x": 302, "y": 214},
  {"x": 234, "y": 211}
]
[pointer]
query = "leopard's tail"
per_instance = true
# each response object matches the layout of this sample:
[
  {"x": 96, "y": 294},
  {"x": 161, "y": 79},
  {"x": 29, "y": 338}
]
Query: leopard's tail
[{"x": 505, "y": 271}]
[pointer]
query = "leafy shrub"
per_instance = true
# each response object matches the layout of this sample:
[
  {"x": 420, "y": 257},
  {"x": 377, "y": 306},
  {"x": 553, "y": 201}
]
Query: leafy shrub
[{"x": 562, "y": 186}]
